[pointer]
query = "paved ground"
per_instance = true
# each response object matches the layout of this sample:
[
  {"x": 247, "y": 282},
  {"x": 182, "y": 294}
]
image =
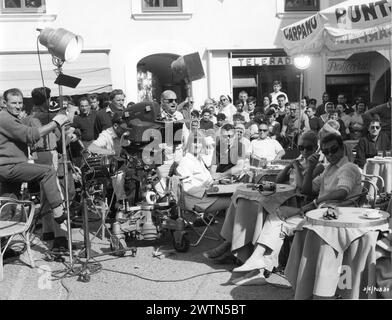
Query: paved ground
[{"x": 180, "y": 276}]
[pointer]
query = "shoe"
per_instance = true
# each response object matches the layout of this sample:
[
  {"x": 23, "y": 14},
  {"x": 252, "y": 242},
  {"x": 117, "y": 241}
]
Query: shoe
[
  {"x": 218, "y": 251},
  {"x": 250, "y": 265},
  {"x": 48, "y": 236},
  {"x": 11, "y": 254},
  {"x": 253, "y": 278},
  {"x": 278, "y": 279}
]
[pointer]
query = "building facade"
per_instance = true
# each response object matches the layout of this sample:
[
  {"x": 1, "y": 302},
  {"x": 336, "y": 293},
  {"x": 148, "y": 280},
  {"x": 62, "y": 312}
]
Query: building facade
[{"x": 131, "y": 44}]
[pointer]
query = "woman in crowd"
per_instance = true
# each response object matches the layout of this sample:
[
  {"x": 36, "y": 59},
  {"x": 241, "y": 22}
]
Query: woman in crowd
[
  {"x": 356, "y": 124},
  {"x": 266, "y": 103},
  {"x": 228, "y": 108},
  {"x": 335, "y": 115},
  {"x": 329, "y": 108}
]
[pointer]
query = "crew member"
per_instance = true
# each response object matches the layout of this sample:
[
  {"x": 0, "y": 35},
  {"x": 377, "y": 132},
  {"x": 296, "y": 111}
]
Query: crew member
[{"x": 14, "y": 140}]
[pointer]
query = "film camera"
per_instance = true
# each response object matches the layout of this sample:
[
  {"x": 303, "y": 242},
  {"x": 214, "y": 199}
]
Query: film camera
[{"x": 141, "y": 212}]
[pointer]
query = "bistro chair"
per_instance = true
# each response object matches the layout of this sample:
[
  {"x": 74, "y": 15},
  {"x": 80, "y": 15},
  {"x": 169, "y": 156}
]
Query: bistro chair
[{"x": 16, "y": 218}]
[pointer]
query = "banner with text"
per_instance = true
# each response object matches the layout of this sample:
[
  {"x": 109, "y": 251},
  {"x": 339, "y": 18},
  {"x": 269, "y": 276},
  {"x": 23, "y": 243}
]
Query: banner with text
[{"x": 353, "y": 24}]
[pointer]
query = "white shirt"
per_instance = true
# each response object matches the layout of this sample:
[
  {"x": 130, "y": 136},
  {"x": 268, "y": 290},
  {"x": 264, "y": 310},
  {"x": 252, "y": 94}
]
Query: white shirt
[
  {"x": 274, "y": 96},
  {"x": 198, "y": 177},
  {"x": 176, "y": 116},
  {"x": 229, "y": 111},
  {"x": 106, "y": 139},
  {"x": 267, "y": 148}
]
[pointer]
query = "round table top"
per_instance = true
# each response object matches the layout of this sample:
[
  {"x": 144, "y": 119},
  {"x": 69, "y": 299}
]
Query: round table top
[
  {"x": 348, "y": 218},
  {"x": 380, "y": 160},
  {"x": 247, "y": 188}
]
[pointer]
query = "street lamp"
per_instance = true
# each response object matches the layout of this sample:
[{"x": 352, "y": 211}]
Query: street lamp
[{"x": 301, "y": 62}]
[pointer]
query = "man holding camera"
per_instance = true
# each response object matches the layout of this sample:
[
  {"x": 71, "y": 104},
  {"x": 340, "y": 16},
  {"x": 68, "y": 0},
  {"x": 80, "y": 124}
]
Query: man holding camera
[{"x": 14, "y": 140}]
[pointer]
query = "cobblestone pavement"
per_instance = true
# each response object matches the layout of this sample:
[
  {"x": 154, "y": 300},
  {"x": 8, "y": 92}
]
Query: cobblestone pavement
[{"x": 178, "y": 276}]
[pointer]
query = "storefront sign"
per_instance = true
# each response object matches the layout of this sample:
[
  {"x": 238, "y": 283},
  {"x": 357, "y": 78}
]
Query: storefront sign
[
  {"x": 261, "y": 61},
  {"x": 335, "y": 66}
]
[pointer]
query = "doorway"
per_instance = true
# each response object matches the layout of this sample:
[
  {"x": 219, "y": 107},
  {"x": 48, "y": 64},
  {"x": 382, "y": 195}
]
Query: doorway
[{"x": 154, "y": 75}]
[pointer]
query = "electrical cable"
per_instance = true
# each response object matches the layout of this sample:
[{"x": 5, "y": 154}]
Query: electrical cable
[{"x": 165, "y": 281}]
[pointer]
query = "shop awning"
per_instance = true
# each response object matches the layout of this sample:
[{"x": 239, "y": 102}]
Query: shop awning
[
  {"x": 21, "y": 70},
  {"x": 244, "y": 82}
]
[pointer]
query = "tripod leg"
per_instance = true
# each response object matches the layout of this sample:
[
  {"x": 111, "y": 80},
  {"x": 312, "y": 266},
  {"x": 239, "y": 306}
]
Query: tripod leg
[{"x": 86, "y": 229}]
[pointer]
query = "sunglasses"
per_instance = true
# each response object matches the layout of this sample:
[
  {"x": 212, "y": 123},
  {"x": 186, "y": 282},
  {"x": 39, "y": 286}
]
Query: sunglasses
[
  {"x": 293, "y": 109},
  {"x": 223, "y": 100},
  {"x": 307, "y": 148},
  {"x": 263, "y": 130},
  {"x": 331, "y": 151},
  {"x": 170, "y": 100},
  {"x": 375, "y": 127}
]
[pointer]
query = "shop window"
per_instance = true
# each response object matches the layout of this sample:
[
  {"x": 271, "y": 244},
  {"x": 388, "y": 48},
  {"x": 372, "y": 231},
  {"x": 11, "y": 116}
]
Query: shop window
[
  {"x": 301, "y": 5},
  {"x": 162, "y": 5},
  {"x": 23, "y": 6}
]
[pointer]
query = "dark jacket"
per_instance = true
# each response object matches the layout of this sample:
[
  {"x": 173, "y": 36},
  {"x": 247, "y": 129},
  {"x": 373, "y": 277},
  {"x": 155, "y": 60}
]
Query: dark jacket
[
  {"x": 86, "y": 126},
  {"x": 104, "y": 117},
  {"x": 367, "y": 148}
]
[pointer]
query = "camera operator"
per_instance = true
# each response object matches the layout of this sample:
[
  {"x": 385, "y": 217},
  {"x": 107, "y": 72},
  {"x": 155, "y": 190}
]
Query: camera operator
[
  {"x": 108, "y": 141},
  {"x": 14, "y": 140}
]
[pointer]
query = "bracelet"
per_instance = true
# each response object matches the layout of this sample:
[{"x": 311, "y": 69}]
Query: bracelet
[{"x": 315, "y": 203}]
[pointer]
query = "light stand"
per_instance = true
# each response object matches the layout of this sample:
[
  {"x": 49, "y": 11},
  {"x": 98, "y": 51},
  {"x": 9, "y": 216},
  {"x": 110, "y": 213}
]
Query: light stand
[
  {"x": 59, "y": 64},
  {"x": 302, "y": 63},
  {"x": 65, "y": 46}
]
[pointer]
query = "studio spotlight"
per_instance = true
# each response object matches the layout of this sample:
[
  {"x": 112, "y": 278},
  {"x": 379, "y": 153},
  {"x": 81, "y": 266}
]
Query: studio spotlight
[{"x": 61, "y": 43}]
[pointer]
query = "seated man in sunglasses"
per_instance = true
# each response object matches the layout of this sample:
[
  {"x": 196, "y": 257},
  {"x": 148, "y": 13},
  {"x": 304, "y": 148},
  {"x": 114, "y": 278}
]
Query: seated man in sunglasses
[
  {"x": 372, "y": 143},
  {"x": 169, "y": 107},
  {"x": 264, "y": 147},
  {"x": 339, "y": 181}
]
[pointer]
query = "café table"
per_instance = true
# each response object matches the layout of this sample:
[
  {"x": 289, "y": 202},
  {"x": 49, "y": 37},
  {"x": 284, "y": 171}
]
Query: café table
[
  {"x": 336, "y": 257},
  {"x": 246, "y": 215},
  {"x": 381, "y": 166}
]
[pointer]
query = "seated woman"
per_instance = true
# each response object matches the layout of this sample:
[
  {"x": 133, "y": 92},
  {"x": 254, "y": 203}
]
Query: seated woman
[
  {"x": 240, "y": 229},
  {"x": 197, "y": 179}
]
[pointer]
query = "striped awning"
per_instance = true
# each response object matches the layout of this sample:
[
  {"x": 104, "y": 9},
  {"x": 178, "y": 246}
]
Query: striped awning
[{"x": 22, "y": 70}]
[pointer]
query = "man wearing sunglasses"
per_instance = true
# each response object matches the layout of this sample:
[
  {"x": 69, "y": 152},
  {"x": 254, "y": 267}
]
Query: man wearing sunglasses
[
  {"x": 169, "y": 107},
  {"x": 372, "y": 143},
  {"x": 265, "y": 147}
]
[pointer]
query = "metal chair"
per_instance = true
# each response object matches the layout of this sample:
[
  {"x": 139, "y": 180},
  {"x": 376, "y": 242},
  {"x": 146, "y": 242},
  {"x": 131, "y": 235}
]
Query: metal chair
[
  {"x": 366, "y": 198},
  {"x": 16, "y": 218},
  {"x": 178, "y": 191}
]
